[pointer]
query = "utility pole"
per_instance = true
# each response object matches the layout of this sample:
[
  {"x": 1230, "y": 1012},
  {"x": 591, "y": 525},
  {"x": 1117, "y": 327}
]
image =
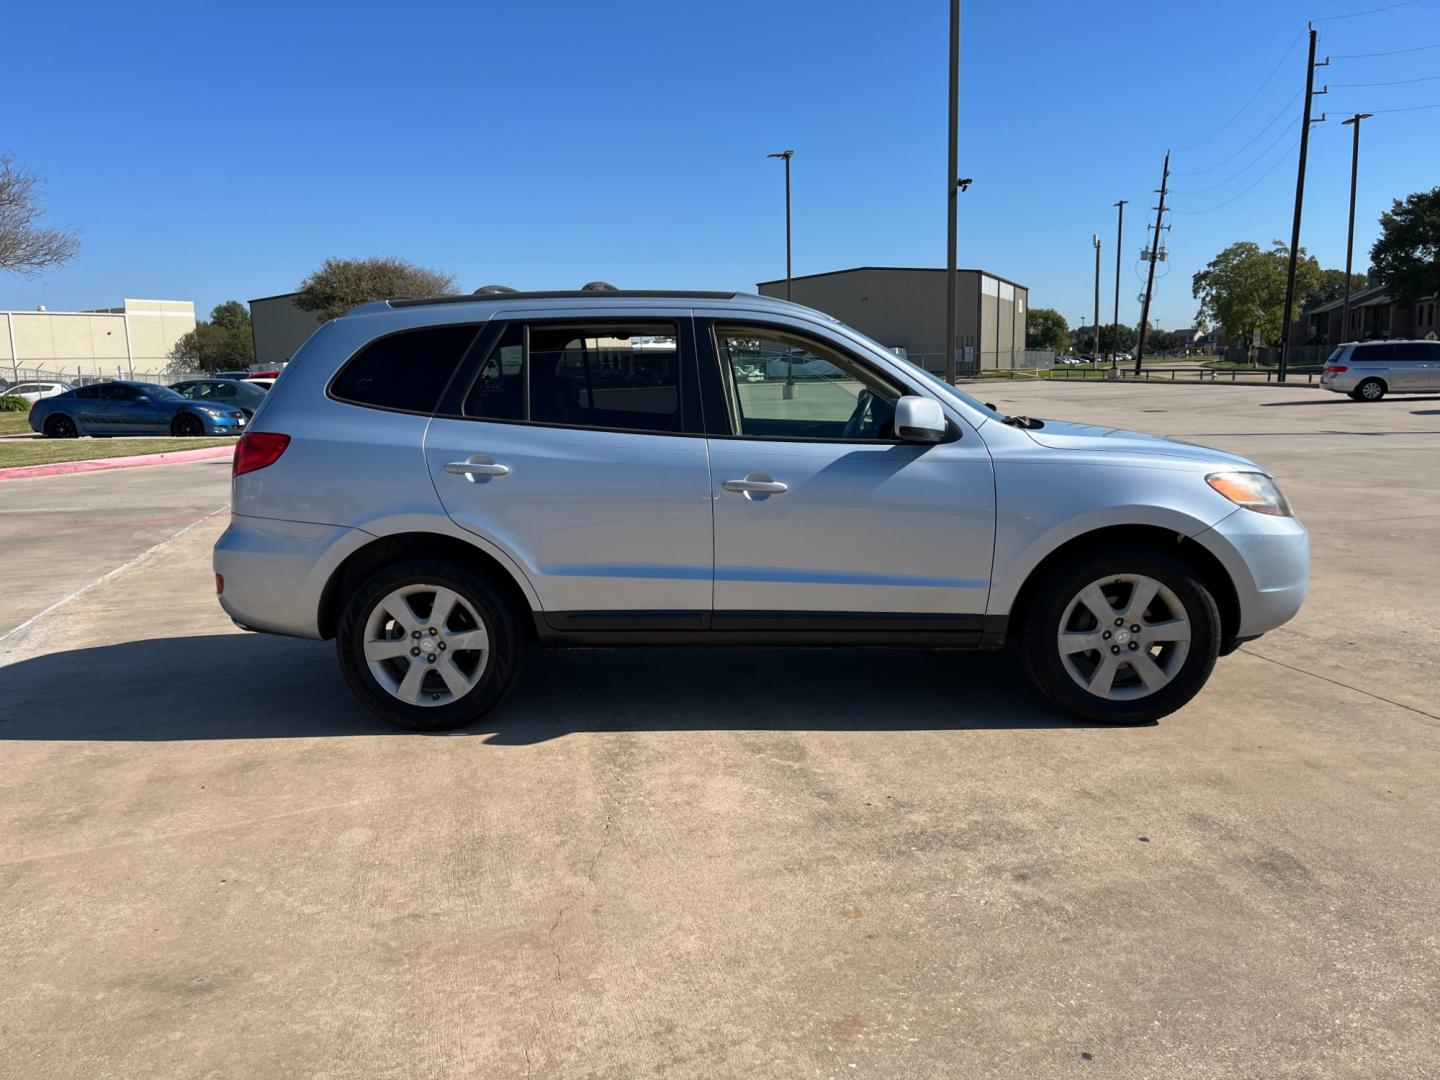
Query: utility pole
[
  {"x": 1095, "y": 239},
  {"x": 1119, "y": 243},
  {"x": 1154, "y": 255},
  {"x": 1299, "y": 204},
  {"x": 787, "y": 155},
  {"x": 952, "y": 193},
  {"x": 1350, "y": 236}
]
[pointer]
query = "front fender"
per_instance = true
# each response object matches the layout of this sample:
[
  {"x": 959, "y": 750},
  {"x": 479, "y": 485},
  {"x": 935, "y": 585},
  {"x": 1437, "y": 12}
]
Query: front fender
[{"x": 1042, "y": 507}]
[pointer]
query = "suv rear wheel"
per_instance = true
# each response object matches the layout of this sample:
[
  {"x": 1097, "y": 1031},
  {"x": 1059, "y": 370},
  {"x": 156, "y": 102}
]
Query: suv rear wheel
[
  {"x": 427, "y": 645},
  {"x": 1123, "y": 636},
  {"x": 1369, "y": 390}
]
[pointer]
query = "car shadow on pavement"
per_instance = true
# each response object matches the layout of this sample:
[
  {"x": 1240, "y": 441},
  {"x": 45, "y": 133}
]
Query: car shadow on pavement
[{"x": 253, "y": 686}]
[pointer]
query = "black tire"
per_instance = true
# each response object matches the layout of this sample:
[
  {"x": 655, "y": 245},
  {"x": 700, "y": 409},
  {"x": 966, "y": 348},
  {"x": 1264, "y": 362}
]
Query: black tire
[
  {"x": 507, "y": 645},
  {"x": 1368, "y": 390},
  {"x": 1040, "y": 623},
  {"x": 186, "y": 426},
  {"x": 61, "y": 426}
]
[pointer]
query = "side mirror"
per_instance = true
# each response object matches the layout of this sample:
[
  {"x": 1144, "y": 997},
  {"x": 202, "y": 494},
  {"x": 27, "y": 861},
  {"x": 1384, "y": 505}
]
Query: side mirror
[
  {"x": 919, "y": 419},
  {"x": 142, "y": 398}
]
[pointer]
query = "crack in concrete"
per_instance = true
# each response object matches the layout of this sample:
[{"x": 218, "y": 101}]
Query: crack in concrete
[{"x": 612, "y": 803}]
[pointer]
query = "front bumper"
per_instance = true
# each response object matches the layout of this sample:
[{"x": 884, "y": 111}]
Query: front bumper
[
  {"x": 1268, "y": 559},
  {"x": 222, "y": 426}
]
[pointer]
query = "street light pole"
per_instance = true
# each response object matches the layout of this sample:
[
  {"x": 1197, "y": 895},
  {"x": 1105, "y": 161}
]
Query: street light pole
[
  {"x": 1095, "y": 238},
  {"x": 952, "y": 191},
  {"x": 787, "y": 155},
  {"x": 1350, "y": 235},
  {"x": 1119, "y": 245}
]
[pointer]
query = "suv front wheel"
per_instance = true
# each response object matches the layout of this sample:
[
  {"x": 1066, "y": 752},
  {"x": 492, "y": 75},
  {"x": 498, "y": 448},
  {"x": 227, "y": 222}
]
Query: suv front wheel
[
  {"x": 427, "y": 645},
  {"x": 1123, "y": 636}
]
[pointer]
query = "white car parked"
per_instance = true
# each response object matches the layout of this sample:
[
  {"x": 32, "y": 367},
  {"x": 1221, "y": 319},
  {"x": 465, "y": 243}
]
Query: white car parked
[{"x": 34, "y": 391}]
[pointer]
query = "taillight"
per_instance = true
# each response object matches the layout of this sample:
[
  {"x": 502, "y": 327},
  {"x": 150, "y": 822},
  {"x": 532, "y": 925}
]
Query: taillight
[
  {"x": 1336, "y": 369},
  {"x": 257, "y": 450}
]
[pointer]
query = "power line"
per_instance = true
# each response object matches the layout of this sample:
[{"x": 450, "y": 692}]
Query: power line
[
  {"x": 1236, "y": 175},
  {"x": 1391, "y": 52},
  {"x": 1210, "y": 168},
  {"x": 1408, "y": 108},
  {"x": 1392, "y": 82},
  {"x": 1210, "y": 210},
  {"x": 1368, "y": 11},
  {"x": 1274, "y": 71}
]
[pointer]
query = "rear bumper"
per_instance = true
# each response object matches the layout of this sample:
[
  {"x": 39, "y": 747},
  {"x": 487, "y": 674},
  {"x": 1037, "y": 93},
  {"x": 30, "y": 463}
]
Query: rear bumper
[
  {"x": 1341, "y": 383},
  {"x": 1268, "y": 559},
  {"x": 275, "y": 571}
]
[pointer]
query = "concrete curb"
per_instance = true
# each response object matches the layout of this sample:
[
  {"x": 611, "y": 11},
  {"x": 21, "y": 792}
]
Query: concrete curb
[{"x": 59, "y": 468}]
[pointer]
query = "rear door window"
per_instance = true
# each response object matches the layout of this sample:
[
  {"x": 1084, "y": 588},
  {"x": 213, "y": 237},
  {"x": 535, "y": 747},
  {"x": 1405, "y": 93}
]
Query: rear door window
[
  {"x": 1369, "y": 354},
  {"x": 89, "y": 393},
  {"x": 405, "y": 371},
  {"x": 621, "y": 375}
]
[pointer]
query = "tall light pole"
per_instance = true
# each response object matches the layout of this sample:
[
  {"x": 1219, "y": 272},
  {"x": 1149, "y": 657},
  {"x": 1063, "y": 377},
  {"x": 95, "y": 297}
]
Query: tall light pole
[
  {"x": 1095, "y": 239},
  {"x": 1310, "y": 94},
  {"x": 787, "y": 155},
  {"x": 1119, "y": 244},
  {"x": 952, "y": 192},
  {"x": 1350, "y": 236}
]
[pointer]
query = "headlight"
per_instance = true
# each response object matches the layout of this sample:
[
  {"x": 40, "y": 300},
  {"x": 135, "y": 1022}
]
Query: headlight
[
  {"x": 1252, "y": 490},
  {"x": 214, "y": 414}
]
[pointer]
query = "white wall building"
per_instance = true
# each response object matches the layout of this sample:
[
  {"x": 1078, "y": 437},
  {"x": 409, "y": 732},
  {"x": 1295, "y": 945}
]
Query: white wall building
[{"x": 132, "y": 340}]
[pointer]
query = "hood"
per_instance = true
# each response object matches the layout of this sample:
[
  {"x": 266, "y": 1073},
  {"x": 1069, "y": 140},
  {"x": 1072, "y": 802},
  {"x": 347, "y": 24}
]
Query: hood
[{"x": 1064, "y": 435}]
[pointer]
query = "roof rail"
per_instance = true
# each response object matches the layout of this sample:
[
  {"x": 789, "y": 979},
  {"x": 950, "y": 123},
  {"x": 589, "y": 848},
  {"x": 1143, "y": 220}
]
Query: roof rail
[{"x": 570, "y": 294}]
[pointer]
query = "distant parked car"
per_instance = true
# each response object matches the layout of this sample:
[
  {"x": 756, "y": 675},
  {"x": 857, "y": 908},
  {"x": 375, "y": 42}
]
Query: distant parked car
[
  {"x": 245, "y": 395},
  {"x": 1369, "y": 370},
  {"x": 274, "y": 373},
  {"x": 34, "y": 391},
  {"x": 239, "y": 373},
  {"x": 131, "y": 408},
  {"x": 265, "y": 382}
]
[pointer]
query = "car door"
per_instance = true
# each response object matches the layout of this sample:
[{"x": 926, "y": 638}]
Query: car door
[
  {"x": 1410, "y": 367},
  {"x": 1432, "y": 371},
  {"x": 823, "y": 519},
  {"x": 84, "y": 407},
  {"x": 577, "y": 445}
]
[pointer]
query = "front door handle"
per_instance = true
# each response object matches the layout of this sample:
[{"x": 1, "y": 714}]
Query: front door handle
[
  {"x": 471, "y": 469},
  {"x": 756, "y": 487}
]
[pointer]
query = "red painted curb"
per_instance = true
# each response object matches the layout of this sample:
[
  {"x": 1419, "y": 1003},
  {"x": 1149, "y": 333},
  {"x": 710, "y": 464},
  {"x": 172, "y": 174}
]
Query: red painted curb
[{"x": 21, "y": 472}]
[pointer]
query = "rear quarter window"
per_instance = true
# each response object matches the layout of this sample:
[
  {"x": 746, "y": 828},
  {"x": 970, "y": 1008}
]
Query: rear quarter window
[{"x": 405, "y": 371}]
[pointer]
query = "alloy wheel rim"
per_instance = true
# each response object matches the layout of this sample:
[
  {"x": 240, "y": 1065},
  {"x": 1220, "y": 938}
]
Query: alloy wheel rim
[
  {"x": 426, "y": 645},
  {"x": 1124, "y": 637},
  {"x": 1371, "y": 390}
]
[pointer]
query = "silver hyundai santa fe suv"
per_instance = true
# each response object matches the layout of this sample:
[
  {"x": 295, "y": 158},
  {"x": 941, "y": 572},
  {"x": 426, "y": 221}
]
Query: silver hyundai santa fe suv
[{"x": 436, "y": 483}]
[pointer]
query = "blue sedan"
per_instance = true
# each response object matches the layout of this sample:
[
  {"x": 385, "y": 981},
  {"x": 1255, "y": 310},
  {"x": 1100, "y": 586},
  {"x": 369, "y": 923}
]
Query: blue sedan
[{"x": 131, "y": 408}]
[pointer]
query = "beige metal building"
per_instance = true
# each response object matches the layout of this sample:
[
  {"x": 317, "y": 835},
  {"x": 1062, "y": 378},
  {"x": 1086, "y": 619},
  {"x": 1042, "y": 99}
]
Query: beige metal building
[
  {"x": 279, "y": 327},
  {"x": 904, "y": 307},
  {"x": 133, "y": 340}
]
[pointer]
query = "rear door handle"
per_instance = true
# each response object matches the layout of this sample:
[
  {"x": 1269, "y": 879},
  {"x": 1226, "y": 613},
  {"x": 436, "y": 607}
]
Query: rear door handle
[
  {"x": 756, "y": 487},
  {"x": 471, "y": 469}
]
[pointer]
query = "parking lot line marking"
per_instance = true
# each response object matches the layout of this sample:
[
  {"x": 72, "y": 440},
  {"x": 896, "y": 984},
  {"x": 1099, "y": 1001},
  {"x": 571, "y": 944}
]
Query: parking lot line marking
[
  {"x": 1246, "y": 650},
  {"x": 106, "y": 577}
]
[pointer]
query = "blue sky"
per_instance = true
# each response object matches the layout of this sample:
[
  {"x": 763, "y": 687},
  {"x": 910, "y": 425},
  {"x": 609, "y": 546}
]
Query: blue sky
[{"x": 214, "y": 151}]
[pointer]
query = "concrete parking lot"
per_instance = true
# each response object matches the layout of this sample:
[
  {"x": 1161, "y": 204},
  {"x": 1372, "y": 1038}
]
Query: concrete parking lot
[{"x": 686, "y": 863}]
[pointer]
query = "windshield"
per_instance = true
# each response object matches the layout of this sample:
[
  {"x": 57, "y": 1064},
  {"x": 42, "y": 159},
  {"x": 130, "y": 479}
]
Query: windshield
[
  {"x": 934, "y": 380},
  {"x": 158, "y": 392}
]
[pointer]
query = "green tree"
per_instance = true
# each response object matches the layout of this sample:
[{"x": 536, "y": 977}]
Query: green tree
[
  {"x": 341, "y": 284},
  {"x": 1407, "y": 255},
  {"x": 1160, "y": 341},
  {"x": 1243, "y": 288},
  {"x": 224, "y": 343},
  {"x": 1332, "y": 287},
  {"x": 1120, "y": 338},
  {"x": 1045, "y": 328}
]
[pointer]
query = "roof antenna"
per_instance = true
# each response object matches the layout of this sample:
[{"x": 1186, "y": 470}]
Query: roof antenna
[
  {"x": 598, "y": 286},
  {"x": 492, "y": 290}
]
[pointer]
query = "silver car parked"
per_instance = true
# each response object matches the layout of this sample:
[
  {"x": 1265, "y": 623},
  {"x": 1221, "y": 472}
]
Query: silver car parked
[
  {"x": 1368, "y": 370},
  {"x": 436, "y": 484}
]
